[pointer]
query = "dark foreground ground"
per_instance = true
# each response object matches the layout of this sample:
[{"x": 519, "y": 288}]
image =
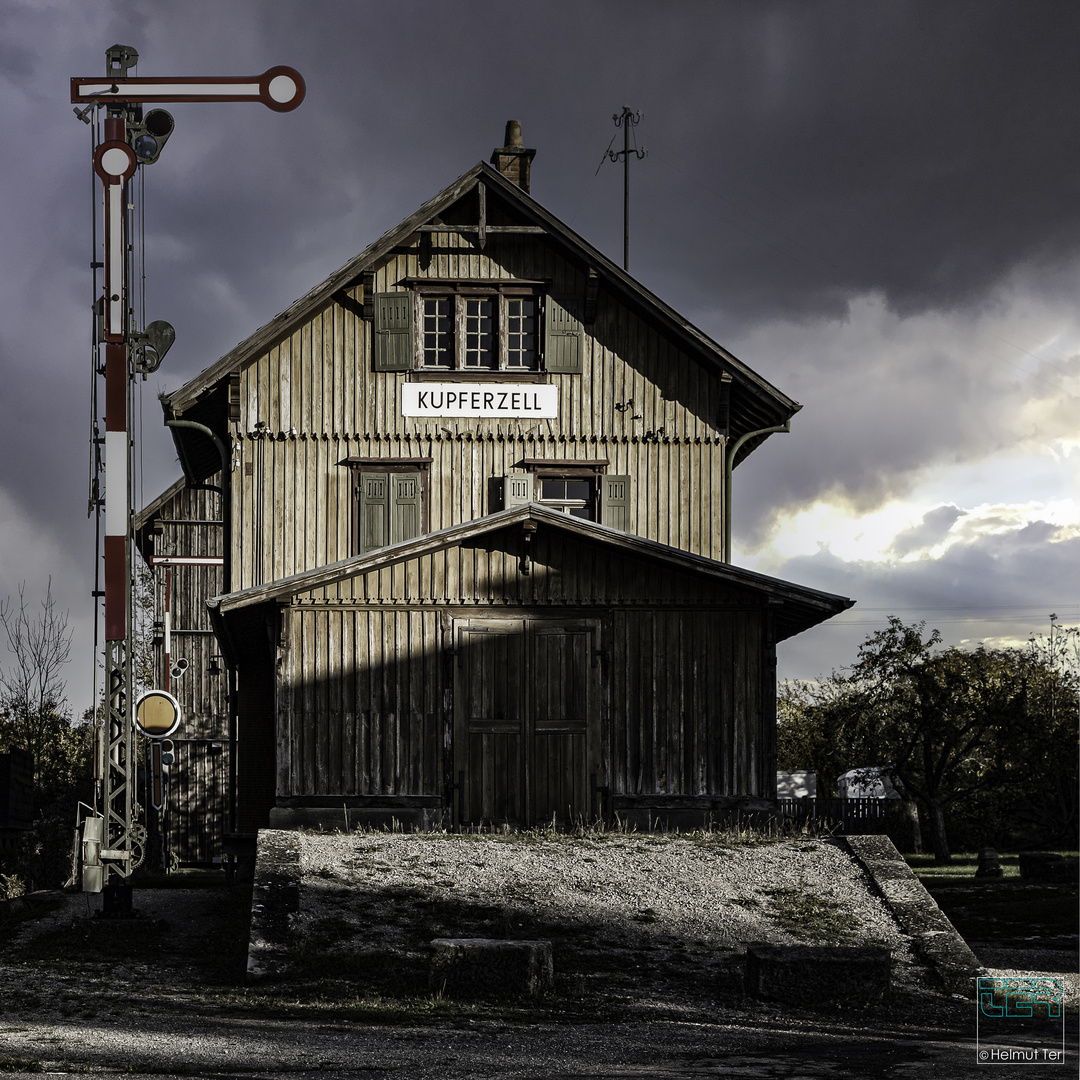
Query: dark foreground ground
[{"x": 164, "y": 995}]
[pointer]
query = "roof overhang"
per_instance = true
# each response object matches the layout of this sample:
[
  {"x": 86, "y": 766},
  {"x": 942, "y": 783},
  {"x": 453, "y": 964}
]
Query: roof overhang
[{"x": 795, "y": 607}]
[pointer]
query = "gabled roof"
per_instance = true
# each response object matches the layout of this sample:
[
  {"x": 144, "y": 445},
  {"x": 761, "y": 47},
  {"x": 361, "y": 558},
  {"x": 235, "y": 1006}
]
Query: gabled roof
[
  {"x": 146, "y": 517},
  {"x": 768, "y": 403},
  {"x": 797, "y": 607}
]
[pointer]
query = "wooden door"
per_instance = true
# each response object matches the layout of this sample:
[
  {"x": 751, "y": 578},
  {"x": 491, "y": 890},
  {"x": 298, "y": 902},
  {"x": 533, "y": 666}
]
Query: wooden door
[
  {"x": 490, "y": 736},
  {"x": 527, "y": 705}
]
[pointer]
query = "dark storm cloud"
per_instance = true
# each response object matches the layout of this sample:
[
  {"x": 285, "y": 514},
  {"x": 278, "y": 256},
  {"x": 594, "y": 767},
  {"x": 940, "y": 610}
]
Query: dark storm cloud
[
  {"x": 801, "y": 155},
  {"x": 998, "y": 588},
  {"x": 934, "y": 526}
]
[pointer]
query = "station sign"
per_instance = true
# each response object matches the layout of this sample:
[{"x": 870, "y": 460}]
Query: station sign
[{"x": 513, "y": 400}]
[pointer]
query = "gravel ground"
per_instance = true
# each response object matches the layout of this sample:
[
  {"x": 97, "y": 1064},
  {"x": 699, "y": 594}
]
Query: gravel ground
[
  {"x": 642, "y": 926},
  {"x": 624, "y": 892}
]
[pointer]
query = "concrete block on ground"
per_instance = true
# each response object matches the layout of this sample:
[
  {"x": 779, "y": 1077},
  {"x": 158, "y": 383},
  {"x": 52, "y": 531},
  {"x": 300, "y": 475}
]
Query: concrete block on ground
[
  {"x": 275, "y": 903},
  {"x": 484, "y": 967},
  {"x": 818, "y": 975},
  {"x": 1048, "y": 866}
]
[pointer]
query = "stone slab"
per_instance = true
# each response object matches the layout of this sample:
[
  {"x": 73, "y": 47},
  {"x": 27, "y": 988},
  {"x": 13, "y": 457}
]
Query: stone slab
[
  {"x": 917, "y": 913},
  {"x": 275, "y": 904},
  {"x": 486, "y": 967},
  {"x": 821, "y": 976}
]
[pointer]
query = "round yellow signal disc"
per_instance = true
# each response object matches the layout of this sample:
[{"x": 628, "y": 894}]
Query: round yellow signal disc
[{"x": 157, "y": 714}]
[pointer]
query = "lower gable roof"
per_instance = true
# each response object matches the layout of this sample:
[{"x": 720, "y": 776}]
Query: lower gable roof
[{"x": 795, "y": 608}]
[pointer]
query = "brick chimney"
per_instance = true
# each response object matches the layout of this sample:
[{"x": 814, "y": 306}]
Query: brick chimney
[{"x": 513, "y": 160}]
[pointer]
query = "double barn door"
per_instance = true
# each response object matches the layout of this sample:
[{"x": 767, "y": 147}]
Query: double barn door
[{"x": 527, "y": 720}]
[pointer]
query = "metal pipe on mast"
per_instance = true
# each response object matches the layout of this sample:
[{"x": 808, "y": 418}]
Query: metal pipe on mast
[{"x": 626, "y": 120}]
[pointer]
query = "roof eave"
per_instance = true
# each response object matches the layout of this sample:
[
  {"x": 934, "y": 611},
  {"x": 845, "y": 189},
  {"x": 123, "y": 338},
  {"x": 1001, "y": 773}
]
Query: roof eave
[{"x": 805, "y": 607}]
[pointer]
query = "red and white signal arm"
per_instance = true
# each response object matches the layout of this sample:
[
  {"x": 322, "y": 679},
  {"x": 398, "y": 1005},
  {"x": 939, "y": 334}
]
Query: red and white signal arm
[
  {"x": 157, "y": 714},
  {"x": 280, "y": 88}
]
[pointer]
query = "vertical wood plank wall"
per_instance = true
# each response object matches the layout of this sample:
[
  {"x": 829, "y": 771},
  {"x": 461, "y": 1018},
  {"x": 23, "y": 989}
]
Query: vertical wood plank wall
[
  {"x": 361, "y": 690},
  {"x": 320, "y": 403},
  {"x": 190, "y": 525}
]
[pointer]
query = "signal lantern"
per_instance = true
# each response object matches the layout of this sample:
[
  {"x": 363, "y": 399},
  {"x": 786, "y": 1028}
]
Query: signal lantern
[{"x": 148, "y": 136}]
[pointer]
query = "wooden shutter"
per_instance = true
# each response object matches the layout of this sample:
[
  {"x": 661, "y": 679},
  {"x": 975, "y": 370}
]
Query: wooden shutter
[
  {"x": 615, "y": 502},
  {"x": 564, "y": 336},
  {"x": 373, "y": 516},
  {"x": 392, "y": 334},
  {"x": 517, "y": 489},
  {"x": 405, "y": 520}
]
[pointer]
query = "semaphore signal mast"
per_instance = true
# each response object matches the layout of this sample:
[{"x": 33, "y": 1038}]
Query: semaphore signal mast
[{"x": 112, "y": 837}]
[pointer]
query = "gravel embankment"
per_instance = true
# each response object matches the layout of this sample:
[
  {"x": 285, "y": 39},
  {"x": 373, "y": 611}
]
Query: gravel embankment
[{"x": 640, "y": 892}]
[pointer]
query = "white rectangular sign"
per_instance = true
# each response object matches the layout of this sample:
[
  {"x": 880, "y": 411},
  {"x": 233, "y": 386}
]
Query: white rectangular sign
[{"x": 479, "y": 399}]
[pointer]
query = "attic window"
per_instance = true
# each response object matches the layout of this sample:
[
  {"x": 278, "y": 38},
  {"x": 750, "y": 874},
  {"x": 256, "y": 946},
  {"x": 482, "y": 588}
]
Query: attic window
[
  {"x": 468, "y": 327},
  {"x": 470, "y": 330}
]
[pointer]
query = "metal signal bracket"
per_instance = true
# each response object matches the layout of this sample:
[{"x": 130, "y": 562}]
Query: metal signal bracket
[{"x": 113, "y": 839}]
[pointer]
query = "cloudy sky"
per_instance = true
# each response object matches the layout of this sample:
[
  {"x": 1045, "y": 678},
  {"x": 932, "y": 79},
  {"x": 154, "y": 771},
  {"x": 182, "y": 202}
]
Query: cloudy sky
[{"x": 876, "y": 206}]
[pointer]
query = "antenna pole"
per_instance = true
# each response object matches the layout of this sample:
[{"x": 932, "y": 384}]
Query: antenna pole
[{"x": 626, "y": 120}]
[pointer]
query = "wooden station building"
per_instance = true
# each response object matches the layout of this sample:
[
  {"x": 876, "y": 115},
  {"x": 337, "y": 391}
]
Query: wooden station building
[{"x": 451, "y": 546}]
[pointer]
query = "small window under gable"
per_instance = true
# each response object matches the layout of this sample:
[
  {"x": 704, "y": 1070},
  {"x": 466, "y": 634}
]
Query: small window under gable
[{"x": 579, "y": 488}]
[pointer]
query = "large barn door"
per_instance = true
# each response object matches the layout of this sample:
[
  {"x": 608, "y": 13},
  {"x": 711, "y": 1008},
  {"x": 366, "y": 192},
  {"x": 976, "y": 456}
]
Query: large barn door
[
  {"x": 528, "y": 706},
  {"x": 490, "y": 738},
  {"x": 561, "y": 681}
]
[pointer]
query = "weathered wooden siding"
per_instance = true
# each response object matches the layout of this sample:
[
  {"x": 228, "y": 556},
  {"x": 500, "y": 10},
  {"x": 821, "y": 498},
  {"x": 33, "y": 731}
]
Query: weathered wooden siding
[
  {"x": 641, "y": 403},
  {"x": 560, "y": 574},
  {"x": 190, "y": 524},
  {"x": 198, "y": 782},
  {"x": 363, "y": 687},
  {"x": 686, "y": 702},
  {"x": 361, "y": 705}
]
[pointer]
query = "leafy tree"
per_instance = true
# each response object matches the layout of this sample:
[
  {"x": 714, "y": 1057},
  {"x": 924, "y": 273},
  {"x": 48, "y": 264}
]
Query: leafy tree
[
  {"x": 946, "y": 725},
  {"x": 938, "y": 721}
]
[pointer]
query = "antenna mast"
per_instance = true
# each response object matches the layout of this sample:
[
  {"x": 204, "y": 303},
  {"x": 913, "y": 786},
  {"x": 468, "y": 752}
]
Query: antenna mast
[{"x": 626, "y": 120}]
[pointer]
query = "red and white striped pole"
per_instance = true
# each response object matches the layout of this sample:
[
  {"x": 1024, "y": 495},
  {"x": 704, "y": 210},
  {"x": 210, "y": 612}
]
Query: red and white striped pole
[
  {"x": 112, "y": 843},
  {"x": 115, "y": 164}
]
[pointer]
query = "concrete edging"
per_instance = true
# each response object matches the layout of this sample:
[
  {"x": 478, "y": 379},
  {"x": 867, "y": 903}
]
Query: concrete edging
[
  {"x": 917, "y": 912},
  {"x": 275, "y": 903}
]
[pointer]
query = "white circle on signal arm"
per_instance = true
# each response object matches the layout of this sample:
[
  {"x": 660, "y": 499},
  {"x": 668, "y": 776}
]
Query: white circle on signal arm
[
  {"x": 115, "y": 161},
  {"x": 282, "y": 88}
]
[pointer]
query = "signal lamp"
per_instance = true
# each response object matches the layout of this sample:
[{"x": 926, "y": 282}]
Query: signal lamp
[{"x": 148, "y": 137}]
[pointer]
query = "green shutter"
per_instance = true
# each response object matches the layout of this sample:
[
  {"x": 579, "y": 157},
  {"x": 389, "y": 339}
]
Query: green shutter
[
  {"x": 517, "y": 489},
  {"x": 564, "y": 336},
  {"x": 373, "y": 517},
  {"x": 392, "y": 333},
  {"x": 405, "y": 520},
  {"x": 615, "y": 502}
]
